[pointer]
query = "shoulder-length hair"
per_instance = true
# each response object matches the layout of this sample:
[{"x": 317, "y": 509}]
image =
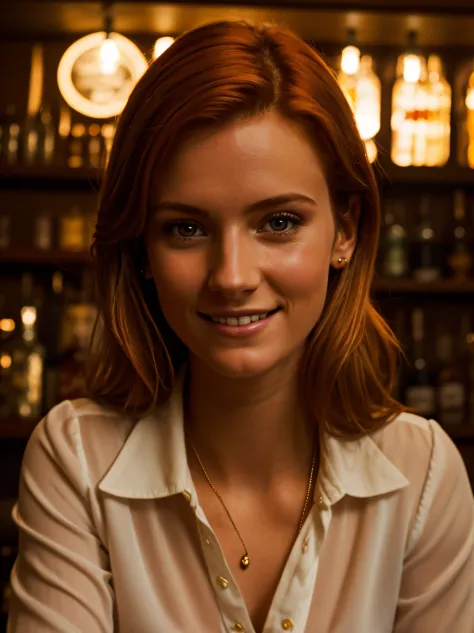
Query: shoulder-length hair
[{"x": 210, "y": 76}]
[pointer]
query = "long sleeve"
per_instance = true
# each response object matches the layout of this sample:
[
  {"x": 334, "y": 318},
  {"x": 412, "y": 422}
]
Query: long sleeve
[
  {"x": 437, "y": 589},
  {"x": 60, "y": 580}
]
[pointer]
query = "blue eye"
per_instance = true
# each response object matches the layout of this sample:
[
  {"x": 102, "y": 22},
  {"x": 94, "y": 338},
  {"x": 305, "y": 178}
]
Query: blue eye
[{"x": 283, "y": 223}]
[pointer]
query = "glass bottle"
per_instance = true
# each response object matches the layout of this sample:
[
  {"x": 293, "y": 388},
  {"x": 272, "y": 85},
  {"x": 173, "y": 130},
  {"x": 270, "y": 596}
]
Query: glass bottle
[
  {"x": 460, "y": 259},
  {"x": 43, "y": 238},
  {"x": 28, "y": 360},
  {"x": 31, "y": 139},
  {"x": 72, "y": 230},
  {"x": 48, "y": 136},
  {"x": 53, "y": 337},
  {"x": 77, "y": 139},
  {"x": 439, "y": 114},
  {"x": 452, "y": 381},
  {"x": 426, "y": 254},
  {"x": 395, "y": 256},
  {"x": 94, "y": 146},
  {"x": 403, "y": 118},
  {"x": 466, "y": 145},
  {"x": 420, "y": 392},
  {"x": 12, "y": 136},
  {"x": 7, "y": 329}
]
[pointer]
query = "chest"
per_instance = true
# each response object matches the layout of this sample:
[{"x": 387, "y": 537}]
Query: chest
[{"x": 269, "y": 534}]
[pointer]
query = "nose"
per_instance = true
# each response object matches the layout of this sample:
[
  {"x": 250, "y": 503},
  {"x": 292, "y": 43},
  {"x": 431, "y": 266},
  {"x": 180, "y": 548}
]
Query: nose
[{"x": 233, "y": 268}]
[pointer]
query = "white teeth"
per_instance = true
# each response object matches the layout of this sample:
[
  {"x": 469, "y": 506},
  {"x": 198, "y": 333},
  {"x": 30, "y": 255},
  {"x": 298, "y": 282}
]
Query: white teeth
[{"x": 244, "y": 320}]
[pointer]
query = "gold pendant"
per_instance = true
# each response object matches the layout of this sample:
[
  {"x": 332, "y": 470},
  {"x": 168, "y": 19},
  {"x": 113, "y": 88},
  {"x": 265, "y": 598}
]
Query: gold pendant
[{"x": 244, "y": 561}]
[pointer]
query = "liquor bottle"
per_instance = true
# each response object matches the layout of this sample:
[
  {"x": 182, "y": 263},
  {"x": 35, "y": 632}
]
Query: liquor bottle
[
  {"x": 79, "y": 322},
  {"x": 31, "y": 139},
  {"x": 12, "y": 136},
  {"x": 409, "y": 111},
  {"x": 465, "y": 125},
  {"x": 107, "y": 131},
  {"x": 76, "y": 144},
  {"x": 94, "y": 146},
  {"x": 43, "y": 237},
  {"x": 53, "y": 337},
  {"x": 426, "y": 253},
  {"x": 420, "y": 393},
  {"x": 395, "y": 256},
  {"x": 452, "y": 382},
  {"x": 7, "y": 329},
  {"x": 64, "y": 134},
  {"x": 47, "y": 136},
  {"x": 28, "y": 359},
  {"x": 460, "y": 259},
  {"x": 439, "y": 114},
  {"x": 72, "y": 231}
]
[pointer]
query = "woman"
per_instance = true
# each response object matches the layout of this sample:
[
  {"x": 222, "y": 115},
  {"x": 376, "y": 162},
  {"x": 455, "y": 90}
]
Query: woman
[{"x": 241, "y": 465}]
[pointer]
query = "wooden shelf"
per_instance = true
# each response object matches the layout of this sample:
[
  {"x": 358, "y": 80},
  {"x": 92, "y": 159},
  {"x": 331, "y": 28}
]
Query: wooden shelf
[
  {"x": 51, "y": 177},
  {"x": 453, "y": 175},
  {"x": 34, "y": 256},
  {"x": 383, "y": 286}
]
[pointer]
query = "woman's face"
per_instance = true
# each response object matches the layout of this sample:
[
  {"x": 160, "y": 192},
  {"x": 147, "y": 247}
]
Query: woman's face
[{"x": 241, "y": 229}]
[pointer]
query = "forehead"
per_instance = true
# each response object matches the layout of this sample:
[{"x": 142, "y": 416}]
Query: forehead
[{"x": 262, "y": 155}]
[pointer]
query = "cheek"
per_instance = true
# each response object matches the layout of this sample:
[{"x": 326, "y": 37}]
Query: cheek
[
  {"x": 178, "y": 275},
  {"x": 302, "y": 274}
]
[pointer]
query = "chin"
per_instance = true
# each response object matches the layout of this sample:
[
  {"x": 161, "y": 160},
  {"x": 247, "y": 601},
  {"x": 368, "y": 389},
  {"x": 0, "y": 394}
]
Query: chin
[{"x": 240, "y": 363}]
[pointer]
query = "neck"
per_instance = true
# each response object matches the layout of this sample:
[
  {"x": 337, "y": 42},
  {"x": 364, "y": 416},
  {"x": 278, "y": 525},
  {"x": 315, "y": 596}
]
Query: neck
[{"x": 248, "y": 431}]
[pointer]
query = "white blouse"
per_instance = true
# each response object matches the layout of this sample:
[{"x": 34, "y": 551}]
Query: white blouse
[{"x": 113, "y": 538}]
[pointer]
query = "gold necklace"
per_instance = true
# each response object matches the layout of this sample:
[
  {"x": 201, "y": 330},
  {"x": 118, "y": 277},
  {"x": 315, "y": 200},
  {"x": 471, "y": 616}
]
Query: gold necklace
[{"x": 245, "y": 560}]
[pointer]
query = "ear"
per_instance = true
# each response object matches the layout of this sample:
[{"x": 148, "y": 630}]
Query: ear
[{"x": 346, "y": 233}]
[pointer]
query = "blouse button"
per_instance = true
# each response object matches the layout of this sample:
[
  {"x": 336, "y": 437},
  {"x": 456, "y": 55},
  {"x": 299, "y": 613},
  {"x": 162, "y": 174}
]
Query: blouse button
[
  {"x": 187, "y": 496},
  {"x": 287, "y": 624},
  {"x": 321, "y": 501},
  {"x": 224, "y": 583},
  {"x": 238, "y": 627},
  {"x": 305, "y": 547}
]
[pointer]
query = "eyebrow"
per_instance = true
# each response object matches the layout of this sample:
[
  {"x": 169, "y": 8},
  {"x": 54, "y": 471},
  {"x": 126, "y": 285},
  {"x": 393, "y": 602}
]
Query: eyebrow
[{"x": 260, "y": 205}]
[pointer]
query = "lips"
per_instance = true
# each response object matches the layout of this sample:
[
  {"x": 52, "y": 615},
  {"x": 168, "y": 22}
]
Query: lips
[{"x": 240, "y": 320}]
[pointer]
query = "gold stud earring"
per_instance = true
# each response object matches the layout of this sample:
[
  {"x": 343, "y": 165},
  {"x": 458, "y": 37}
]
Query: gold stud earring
[{"x": 342, "y": 261}]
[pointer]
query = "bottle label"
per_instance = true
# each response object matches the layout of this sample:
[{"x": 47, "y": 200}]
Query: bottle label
[{"x": 421, "y": 398}]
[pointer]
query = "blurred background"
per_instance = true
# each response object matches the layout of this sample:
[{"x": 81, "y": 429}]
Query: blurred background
[{"x": 407, "y": 68}]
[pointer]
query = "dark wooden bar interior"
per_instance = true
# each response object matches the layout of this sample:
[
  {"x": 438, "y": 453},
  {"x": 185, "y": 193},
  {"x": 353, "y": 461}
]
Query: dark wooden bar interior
[{"x": 57, "y": 190}]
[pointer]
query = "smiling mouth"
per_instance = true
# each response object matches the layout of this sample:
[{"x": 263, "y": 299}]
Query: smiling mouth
[{"x": 242, "y": 320}]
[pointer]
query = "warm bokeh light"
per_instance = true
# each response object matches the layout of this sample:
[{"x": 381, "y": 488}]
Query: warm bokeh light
[
  {"x": 371, "y": 149},
  {"x": 109, "y": 57},
  {"x": 161, "y": 44},
  {"x": 350, "y": 60},
  {"x": 7, "y": 325},
  {"x": 5, "y": 361},
  {"x": 28, "y": 315},
  {"x": 411, "y": 68}
]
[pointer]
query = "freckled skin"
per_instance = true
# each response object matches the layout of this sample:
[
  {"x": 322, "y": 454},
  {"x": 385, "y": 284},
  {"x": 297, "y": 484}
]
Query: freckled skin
[{"x": 235, "y": 260}]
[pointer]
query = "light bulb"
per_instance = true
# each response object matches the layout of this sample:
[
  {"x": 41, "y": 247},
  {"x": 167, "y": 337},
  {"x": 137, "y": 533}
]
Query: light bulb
[
  {"x": 109, "y": 56},
  {"x": 411, "y": 68},
  {"x": 161, "y": 44},
  {"x": 350, "y": 60}
]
